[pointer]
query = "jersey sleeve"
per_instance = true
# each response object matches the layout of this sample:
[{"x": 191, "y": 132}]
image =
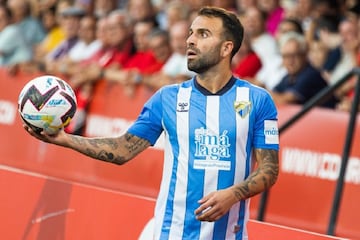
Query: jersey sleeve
[
  {"x": 148, "y": 125},
  {"x": 266, "y": 132}
]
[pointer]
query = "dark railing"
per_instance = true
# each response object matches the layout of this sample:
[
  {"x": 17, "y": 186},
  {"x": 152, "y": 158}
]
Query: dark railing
[{"x": 322, "y": 96}]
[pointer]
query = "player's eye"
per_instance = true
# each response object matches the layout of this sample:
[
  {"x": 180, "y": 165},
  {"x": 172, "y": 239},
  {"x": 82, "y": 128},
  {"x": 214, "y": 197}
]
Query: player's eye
[{"x": 204, "y": 34}]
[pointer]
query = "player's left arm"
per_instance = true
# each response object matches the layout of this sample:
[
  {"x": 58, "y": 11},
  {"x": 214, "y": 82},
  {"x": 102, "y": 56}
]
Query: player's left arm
[
  {"x": 214, "y": 205},
  {"x": 264, "y": 176}
]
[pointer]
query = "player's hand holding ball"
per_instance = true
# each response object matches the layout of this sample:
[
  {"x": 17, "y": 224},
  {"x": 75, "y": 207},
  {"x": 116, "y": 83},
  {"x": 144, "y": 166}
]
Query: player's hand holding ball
[{"x": 46, "y": 105}]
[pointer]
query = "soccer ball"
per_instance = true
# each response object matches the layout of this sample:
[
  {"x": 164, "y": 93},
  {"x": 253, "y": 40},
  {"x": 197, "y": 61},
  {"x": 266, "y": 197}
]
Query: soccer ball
[{"x": 47, "y": 103}]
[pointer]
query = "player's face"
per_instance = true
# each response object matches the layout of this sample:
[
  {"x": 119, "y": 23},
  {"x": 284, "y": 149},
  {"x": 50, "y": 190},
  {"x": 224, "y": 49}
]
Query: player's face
[{"x": 204, "y": 44}]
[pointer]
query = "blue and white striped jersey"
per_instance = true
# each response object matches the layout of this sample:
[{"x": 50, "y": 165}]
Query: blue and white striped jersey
[{"x": 209, "y": 140}]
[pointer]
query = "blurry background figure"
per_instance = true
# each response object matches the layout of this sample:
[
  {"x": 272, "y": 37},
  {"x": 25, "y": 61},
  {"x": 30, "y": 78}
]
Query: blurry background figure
[
  {"x": 175, "y": 69},
  {"x": 13, "y": 47},
  {"x": 322, "y": 9},
  {"x": 302, "y": 80},
  {"x": 274, "y": 14},
  {"x": 88, "y": 44},
  {"x": 51, "y": 19},
  {"x": 195, "y": 5},
  {"x": 227, "y": 4},
  {"x": 70, "y": 22},
  {"x": 243, "y": 5},
  {"x": 159, "y": 44},
  {"x": 140, "y": 10},
  {"x": 51, "y": 26},
  {"x": 142, "y": 58},
  {"x": 103, "y": 7},
  {"x": 288, "y": 25},
  {"x": 174, "y": 11},
  {"x": 117, "y": 48},
  {"x": 301, "y": 10},
  {"x": 246, "y": 62},
  {"x": 29, "y": 26},
  {"x": 318, "y": 53},
  {"x": 266, "y": 48},
  {"x": 346, "y": 51}
]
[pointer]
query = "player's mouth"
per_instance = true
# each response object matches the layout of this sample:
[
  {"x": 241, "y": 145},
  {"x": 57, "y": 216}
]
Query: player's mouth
[{"x": 191, "y": 53}]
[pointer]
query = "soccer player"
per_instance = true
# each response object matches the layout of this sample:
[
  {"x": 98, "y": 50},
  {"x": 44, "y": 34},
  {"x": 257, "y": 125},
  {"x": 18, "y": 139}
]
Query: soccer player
[{"x": 215, "y": 127}]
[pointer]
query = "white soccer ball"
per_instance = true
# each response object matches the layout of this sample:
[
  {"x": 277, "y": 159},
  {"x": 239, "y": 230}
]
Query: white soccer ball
[{"x": 47, "y": 103}]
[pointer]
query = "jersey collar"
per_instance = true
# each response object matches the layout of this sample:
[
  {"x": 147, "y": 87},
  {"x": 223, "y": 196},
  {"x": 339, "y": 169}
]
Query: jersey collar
[{"x": 206, "y": 92}]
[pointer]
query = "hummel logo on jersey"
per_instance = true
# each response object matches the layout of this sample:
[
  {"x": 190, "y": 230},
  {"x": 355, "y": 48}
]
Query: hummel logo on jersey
[
  {"x": 243, "y": 108},
  {"x": 182, "y": 107}
]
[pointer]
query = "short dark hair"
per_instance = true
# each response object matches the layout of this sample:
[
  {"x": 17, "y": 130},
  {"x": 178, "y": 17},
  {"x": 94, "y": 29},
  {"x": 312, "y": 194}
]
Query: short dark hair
[{"x": 233, "y": 29}]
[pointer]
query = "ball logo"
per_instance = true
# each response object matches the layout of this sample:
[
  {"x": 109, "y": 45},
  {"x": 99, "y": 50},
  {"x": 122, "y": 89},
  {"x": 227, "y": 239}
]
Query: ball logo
[{"x": 36, "y": 98}]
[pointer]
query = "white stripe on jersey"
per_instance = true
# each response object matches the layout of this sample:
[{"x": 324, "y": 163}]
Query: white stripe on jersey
[
  {"x": 242, "y": 94},
  {"x": 159, "y": 211},
  {"x": 211, "y": 174},
  {"x": 178, "y": 217}
]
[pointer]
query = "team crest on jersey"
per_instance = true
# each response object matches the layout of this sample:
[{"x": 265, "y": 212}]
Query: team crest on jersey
[{"x": 243, "y": 108}]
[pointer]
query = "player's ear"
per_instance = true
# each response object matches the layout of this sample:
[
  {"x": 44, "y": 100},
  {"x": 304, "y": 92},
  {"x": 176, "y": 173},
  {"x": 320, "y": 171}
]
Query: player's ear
[{"x": 227, "y": 48}]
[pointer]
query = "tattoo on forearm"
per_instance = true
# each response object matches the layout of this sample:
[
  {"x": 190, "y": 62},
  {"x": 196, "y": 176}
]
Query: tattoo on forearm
[
  {"x": 112, "y": 143},
  {"x": 262, "y": 178},
  {"x": 134, "y": 144},
  {"x": 114, "y": 150}
]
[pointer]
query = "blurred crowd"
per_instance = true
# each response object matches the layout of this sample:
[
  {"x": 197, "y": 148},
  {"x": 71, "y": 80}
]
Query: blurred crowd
[{"x": 294, "y": 48}]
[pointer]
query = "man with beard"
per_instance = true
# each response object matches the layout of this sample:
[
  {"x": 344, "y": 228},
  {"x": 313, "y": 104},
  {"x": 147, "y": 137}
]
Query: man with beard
[{"x": 215, "y": 127}]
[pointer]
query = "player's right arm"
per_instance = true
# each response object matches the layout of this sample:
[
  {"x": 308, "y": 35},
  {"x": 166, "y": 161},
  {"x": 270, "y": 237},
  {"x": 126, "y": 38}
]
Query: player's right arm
[{"x": 117, "y": 150}]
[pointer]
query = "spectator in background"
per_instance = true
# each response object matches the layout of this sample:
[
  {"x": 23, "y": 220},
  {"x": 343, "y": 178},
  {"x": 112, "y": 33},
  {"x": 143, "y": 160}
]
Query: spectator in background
[
  {"x": 347, "y": 91},
  {"x": 115, "y": 53},
  {"x": 141, "y": 10},
  {"x": 142, "y": 59},
  {"x": 175, "y": 69},
  {"x": 288, "y": 25},
  {"x": 246, "y": 62},
  {"x": 159, "y": 45},
  {"x": 302, "y": 11},
  {"x": 173, "y": 12},
  {"x": 88, "y": 44},
  {"x": 318, "y": 54},
  {"x": 329, "y": 10},
  {"x": 195, "y": 5},
  {"x": 29, "y": 26},
  {"x": 302, "y": 80},
  {"x": 51, "y": 19},
  {"x": 265, "y": 46},
  {"x": 71, "y": 17},
  {"x": 54, "y": 33},
  {"x": 243, "y": 5},
  {"x": 274, "y": 14},
  {"x": 117, "y": 48},
  {"x": 226, "y": 4},
  {"x": 13, "y": 46},
  {"x": 103, "y": 8},
  {"x": 346, "y": 50}
]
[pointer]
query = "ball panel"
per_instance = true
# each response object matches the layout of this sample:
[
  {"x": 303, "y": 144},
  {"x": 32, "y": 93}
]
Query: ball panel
[{"x": 47, "y": 103}]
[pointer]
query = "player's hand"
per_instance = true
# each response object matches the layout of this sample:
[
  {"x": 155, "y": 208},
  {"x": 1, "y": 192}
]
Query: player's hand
[
  {"x": 215, "y": 205},
  {"x": 58, "y": 138}
]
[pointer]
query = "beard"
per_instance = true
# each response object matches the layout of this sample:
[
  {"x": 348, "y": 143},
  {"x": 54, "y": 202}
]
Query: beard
[{"x": 204, "y": 62}]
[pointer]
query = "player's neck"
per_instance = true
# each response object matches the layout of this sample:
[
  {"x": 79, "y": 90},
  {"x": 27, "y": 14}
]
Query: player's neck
[{"x": 213, "y": 81}]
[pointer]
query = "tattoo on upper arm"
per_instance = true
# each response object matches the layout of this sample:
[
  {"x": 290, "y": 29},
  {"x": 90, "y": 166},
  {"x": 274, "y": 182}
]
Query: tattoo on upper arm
[{"x": 263, "y": 177}]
